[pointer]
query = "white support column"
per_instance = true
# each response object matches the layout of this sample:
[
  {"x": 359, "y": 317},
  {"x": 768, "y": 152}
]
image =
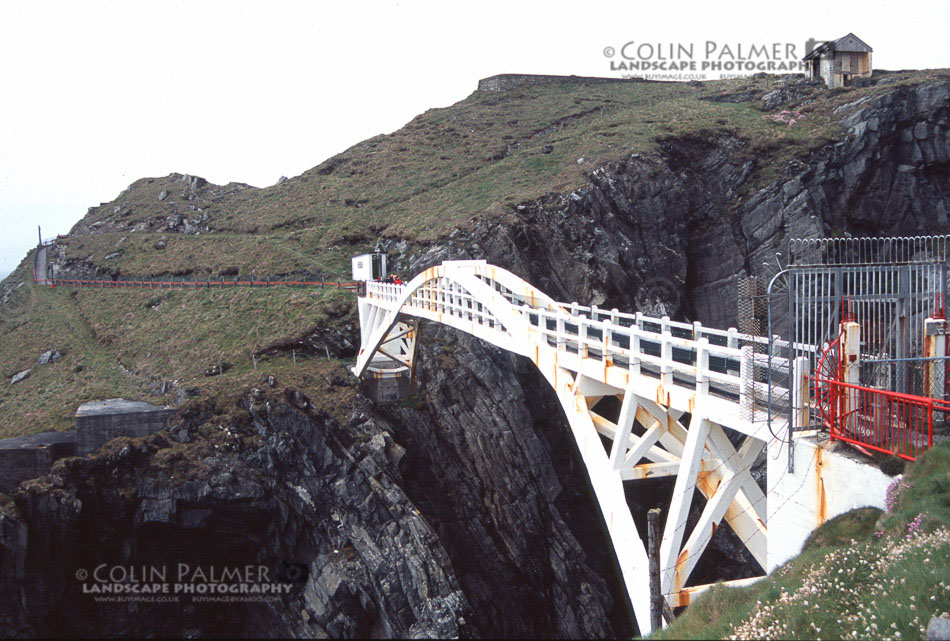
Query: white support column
[
  {"x": 608, "y": 488},
  {"x": 682, "y": 498}
]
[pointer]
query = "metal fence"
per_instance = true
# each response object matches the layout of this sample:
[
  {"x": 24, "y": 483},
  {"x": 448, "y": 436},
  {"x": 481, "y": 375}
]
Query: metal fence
[
  {"x": 911, "y": 375},
  {"x": 889, "y": 285}
]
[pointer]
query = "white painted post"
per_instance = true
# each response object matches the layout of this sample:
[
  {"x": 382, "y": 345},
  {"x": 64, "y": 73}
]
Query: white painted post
[
  {"x": 666, "y": 353},
  {"x": 746, "y": 389},
  {"x": 851, "y": 352},
  {"x": 935, "y": 347},
  {"x": 697, "y": 330},
  {"x": 561, "y": 345},
  {"x": 851, "y": 358},
  {"x": 605, "y": 335},
  {"x": 634, "y": 351},
  {"x": 582, "y": 336},
  {"x": 732, "y": 340},
  {"x": 702, "y": 367}
]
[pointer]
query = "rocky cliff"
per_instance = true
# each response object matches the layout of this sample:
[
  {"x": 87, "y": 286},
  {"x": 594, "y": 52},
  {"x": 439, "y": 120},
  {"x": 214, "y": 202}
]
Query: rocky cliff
[
  {"x": 678, "y": 227},
  {"x": 463, "y": 510}
]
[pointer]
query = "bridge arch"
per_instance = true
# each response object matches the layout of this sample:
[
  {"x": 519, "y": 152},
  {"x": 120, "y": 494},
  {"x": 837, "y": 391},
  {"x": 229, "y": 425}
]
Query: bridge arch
[{"x": 587, "y": 354}]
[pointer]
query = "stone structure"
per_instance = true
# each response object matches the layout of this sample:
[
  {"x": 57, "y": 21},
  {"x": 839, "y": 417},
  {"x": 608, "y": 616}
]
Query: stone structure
[
  {"x": 101, "y": 421},
  {"x": 32, "y": 456}
]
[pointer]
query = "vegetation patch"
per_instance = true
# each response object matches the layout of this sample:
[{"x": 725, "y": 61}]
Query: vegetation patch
[{"x": 862, "y": 575}]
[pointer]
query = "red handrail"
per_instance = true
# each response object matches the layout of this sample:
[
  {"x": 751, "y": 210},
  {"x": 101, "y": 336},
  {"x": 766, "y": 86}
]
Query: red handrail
[{"x": 880, "y": 420}]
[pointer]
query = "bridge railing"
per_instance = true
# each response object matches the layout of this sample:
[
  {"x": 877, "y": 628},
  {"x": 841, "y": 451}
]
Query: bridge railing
[
  {"x": 686, "y": 355},
  {"x": 649, "y": 348}
]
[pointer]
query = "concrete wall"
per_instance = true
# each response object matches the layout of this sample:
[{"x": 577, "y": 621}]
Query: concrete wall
[
  {"x": 29, "y": 457},
  {"x": 101, "y": 421},
  {"x": 32, "y": 456},
  {"x": 824, "y": 484},
  {"x": 387, "y": 389}
]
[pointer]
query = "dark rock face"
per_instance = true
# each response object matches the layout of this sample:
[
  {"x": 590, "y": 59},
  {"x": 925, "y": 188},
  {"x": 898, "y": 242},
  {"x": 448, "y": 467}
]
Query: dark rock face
[
  {"x": 447, "y": 522},
  {"x": 492, "y": 467},
  {"x": 289, "y": 487}
]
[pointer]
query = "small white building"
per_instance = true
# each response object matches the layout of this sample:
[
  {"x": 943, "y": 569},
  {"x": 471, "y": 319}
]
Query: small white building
[
  {"x": 369, "y": 266},
  {"x": 840, "y": 62}
]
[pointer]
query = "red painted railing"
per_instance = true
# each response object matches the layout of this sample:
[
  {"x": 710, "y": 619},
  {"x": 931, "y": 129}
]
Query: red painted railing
[{"x": 879, "y": 420}]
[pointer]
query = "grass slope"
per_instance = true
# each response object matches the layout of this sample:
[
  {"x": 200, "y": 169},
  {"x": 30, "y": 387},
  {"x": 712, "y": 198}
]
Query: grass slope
[
  {"x": 862, "y": 575},
  {"x": 446, "y": 168},
  {"x": 117, "y": 343}
]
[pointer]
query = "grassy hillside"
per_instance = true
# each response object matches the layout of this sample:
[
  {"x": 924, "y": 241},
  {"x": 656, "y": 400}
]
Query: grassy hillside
[
  {"x": 863, "y": 575},
  {"x": 449, "y": 167},
  {"x": 446, "y": 168},
  {"x": 120, "y": 343}
]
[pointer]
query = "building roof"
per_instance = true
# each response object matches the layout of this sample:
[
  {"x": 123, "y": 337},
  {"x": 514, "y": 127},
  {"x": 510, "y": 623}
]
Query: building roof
[
  {"x": 849, "y": 42},
  {"x": 33, "y": 441},
  {"x": 117, "y": 406}
]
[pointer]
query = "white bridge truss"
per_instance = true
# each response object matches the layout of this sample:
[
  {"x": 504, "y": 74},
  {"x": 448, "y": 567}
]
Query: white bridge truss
[{"x": 679, "y": 387}]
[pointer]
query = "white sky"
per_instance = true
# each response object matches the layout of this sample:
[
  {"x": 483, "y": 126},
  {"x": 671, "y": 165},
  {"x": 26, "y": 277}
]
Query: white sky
[{"x": 96, "y": 94}]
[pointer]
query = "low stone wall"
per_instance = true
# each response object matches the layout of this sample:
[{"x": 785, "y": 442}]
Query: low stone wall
[
  {"x": 29, "y": 457},
  {"x": 101, "y": 421},
  {"x": 508, "y": 81}
]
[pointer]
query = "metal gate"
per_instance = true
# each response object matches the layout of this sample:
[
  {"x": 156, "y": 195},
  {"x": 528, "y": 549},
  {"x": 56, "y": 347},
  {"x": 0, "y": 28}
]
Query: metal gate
[{"x": 889, "y": 285}]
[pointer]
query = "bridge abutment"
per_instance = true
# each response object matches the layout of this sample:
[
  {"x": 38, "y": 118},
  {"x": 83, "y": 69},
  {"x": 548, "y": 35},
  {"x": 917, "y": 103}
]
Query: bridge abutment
[{"x": 828, "y": 480}]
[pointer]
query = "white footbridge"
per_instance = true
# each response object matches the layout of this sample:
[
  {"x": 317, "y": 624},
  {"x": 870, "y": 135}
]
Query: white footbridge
[{"x": 680, "y": 387}]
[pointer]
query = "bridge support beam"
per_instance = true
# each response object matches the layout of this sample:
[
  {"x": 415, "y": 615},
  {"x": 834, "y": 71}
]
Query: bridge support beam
[{"x": 587, "y": 358}]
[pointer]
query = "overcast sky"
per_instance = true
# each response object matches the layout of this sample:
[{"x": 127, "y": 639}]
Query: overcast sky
[{"x": 94, "y": 95}]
